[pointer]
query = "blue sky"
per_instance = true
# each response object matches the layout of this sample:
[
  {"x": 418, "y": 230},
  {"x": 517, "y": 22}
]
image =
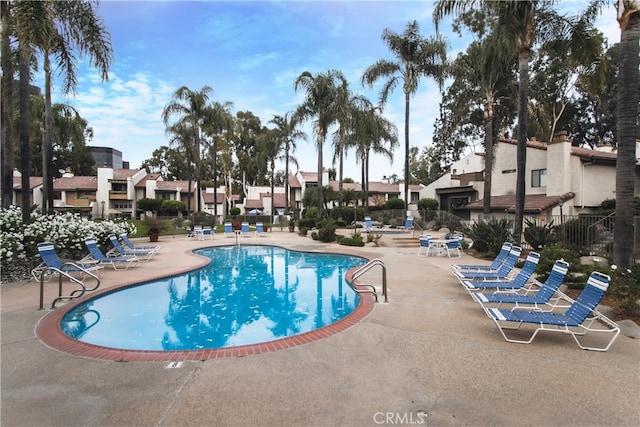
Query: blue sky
[{"x": 250, "y": 53}]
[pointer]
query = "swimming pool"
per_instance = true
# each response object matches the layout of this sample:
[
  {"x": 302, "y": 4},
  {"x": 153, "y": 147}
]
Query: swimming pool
[{"x": 245, "y": 295}]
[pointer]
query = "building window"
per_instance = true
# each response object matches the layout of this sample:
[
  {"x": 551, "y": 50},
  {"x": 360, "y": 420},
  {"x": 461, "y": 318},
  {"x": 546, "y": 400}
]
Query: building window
[{"x": 539, "y": 178}]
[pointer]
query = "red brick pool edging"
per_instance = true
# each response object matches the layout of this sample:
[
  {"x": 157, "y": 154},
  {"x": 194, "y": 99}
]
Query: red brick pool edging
[{"x": 49, "y": 332}]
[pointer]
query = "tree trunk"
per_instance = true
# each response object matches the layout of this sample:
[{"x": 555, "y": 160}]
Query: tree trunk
[
  {"x": 286, "y": 180},
  {"x": 627, "y": 112},
  {"x": 406, "y": 150},
  {"x": 47, "y": 161},
  {"x": 340, "y": 184},
  {"x": 488, "y": 156},
  {"x": 25, "y": 74},
  {"x": 521, "y": 157},
  {"x": 6, "y": 109},
  {"x": 320, "y": 198}
]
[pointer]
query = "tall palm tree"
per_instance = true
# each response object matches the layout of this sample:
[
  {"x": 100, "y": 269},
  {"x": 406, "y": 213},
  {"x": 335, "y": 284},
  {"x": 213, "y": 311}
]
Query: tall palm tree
[
  {"x": 28, "y": 19},
  {"x": 218, "y": 121},
  {"x": 74, "y": 26},
  {"x": 319, "y": 102},
  {"x": 191, "y": 107},
  {"x": 271, "y": 150},
  {"x": 628, "y": 16},
  {"x": 627, "y": 127},
  {"x": 287, "y": 128},
  {"x": 181, "y": 136},
  {"x": 6, "y": 108},
  {"x": 347, "y": 103},
  {"x": 489, "y": 65},
  {"x": 415, "y": 57},
  {"x": 522, "y": 23},
  {"x": 370, "y": 131}
]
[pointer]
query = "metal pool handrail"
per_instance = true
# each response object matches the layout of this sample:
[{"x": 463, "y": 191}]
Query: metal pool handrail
[{"x": 362, "y": 270}]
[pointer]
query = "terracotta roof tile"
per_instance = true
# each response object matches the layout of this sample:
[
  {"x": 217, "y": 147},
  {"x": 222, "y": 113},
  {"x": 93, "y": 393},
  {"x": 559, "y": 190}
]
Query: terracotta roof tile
[
  {"x": 76, "y": 183},
  {"x": 533, "y": 204}
]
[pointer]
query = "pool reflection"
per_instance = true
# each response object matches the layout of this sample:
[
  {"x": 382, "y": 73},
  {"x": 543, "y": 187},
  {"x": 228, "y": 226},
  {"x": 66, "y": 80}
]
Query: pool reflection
[{"x": 246, "y": 295}]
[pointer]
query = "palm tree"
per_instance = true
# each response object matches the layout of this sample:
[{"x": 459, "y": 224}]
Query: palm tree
[
  {"x": 182, "y": 137},
  {"x": 319, "y": 102},
  {"x": 347, "y": 103},
  {"x": 218, "y": 121},
  {"x": 74, "y": 25},
  {"x": 627, "y": 112},
  {"x": 628, "y": 16},
  {"x": 489, "y": 65},
  {"x": 287, "y": 128},
  {"x": 415, "y": 57},
  {"x": 28, "y": 19},
  {"x": 6, "y": 108},
  {"x": 271, "y": 149},
  {"x": 191, "y": 107},
  {"x": 523, "y": 23},
  {"x": 370, "y": 131}
]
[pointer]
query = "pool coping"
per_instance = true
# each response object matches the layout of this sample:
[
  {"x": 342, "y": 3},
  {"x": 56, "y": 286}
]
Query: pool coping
[{"x": 50, "y": 333}]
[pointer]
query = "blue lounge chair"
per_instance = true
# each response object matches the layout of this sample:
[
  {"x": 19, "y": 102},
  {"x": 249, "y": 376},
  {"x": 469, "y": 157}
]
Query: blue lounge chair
[
  {"x": 128, "y": 244},
  {"x": 537, "y": 299},
  {"x": 118, "y": 263},
  {"x": 408, "y": 224},
  {"x": 119, "y": 250},
  {"x": 368, "y": 225},
  {"x": 501, "y": 274},
  {"x": 53, "y": 265},
  {"x": 260, "y": 229},
  {"x": 517, "y": 283},
  {"x": 576, "y": 321},
  {"x": 228, "y": 230},
  {"x": 244, "y": 229},
  {"x": 495, "y": 265}
]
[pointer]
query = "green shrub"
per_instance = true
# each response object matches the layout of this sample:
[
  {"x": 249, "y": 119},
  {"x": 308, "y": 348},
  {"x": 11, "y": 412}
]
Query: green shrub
[
  {"x": 327, "y": 231},
  {"x": 172, "y": 207},
  {"x": 550, "y": 254},
  {"x": 307, "y": 223},
  {"x": 428, "y": 204},
  {"x": 625, "y": 287},
  {"x": 488, "y": 236},
  {"x": 234, "y": 211},
  {"x": 350, "y": 241},
  {"x": 315, "y": 235},
  {"x": 152, "y": 205},
  {"x": 394, "y": 204},
  {"x": 538, "y": 235},
  {"x": 303, "y": 231}
]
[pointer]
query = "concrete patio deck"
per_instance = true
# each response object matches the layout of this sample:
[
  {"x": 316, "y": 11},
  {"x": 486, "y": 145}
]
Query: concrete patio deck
[{"x": 428, "y": 357}]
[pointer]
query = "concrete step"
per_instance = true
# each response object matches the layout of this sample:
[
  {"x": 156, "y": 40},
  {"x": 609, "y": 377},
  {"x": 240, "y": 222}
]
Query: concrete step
[{"x": 405, "y": 242}]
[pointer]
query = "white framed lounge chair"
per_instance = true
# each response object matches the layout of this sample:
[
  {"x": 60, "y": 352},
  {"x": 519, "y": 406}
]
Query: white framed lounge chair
[
  {"x": 503, "y": 273},
  {"x": 538, "y": 298},
  {"x": 119, "y": 250},
  {"x": 118, "y": 263},
  {"x": 207, "y": 233},
  {"x": 260, "y": 230},
  {"x": 408, "y": 224},
  {"x": 244, "y": 229},
  {"x": 578, "y": 320},
  {"x": 228, "y": 229},
  {"x": 495, "y": 265},
  {"x": 518, "y": 282},
  {"x": 128, "y": 244}
]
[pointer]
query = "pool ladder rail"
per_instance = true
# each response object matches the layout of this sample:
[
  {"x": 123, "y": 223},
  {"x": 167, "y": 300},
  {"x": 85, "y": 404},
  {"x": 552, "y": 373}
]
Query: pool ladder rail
[
  {"x": 77, "y": 293},
  {"x": 368, "y": 288}
]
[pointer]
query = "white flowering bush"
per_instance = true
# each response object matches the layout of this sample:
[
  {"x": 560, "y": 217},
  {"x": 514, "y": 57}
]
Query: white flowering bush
[{"x": 18, "y": 243}]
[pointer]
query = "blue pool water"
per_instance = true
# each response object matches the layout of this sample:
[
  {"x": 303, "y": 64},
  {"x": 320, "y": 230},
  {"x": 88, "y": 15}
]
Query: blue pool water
[{"x": 245, "y": 295}]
